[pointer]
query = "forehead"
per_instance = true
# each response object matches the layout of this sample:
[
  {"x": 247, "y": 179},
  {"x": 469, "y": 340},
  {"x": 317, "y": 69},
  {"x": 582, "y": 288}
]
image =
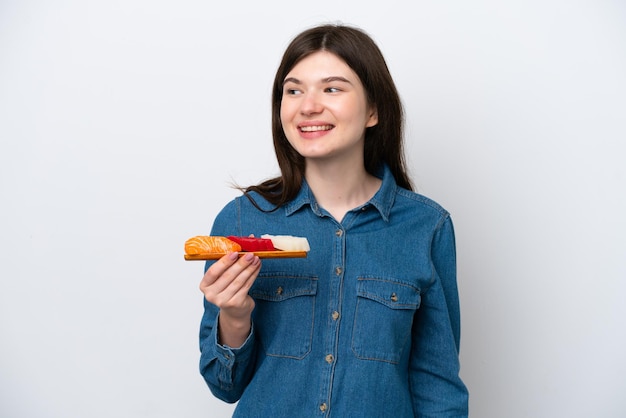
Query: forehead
[{"x": 321, "y": 64}]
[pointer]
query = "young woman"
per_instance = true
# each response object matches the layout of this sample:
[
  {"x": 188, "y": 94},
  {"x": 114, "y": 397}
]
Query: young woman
[{"x": 367, "y": 325}]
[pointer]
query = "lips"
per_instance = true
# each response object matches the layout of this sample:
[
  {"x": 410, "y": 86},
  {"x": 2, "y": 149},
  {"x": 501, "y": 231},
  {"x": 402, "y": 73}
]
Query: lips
[{"x": 315, "y": 128}]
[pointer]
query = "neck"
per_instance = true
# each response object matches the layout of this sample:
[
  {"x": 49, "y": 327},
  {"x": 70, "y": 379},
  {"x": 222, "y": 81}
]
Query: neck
[{"x": 339, "y": 188}]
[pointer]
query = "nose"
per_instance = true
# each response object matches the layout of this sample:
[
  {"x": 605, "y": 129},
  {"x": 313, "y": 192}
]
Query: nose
[{"x": 311, "y": 104}]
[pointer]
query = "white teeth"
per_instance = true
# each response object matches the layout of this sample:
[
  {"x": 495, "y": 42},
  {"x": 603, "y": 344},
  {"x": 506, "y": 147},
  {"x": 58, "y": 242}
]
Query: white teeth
[{"x": 315, "y": 128}]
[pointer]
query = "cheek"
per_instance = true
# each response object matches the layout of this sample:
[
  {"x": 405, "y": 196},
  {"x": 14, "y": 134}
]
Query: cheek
[
  {"x": 286, "y": 111},
  {"x": 285, "y": 117}
]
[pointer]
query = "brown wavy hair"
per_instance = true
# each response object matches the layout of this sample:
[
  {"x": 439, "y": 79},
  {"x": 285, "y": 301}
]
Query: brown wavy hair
[{"x": 383, "y": 142}]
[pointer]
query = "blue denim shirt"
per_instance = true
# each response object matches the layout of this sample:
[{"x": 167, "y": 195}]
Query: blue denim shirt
[{"x": 367, "y": 325}]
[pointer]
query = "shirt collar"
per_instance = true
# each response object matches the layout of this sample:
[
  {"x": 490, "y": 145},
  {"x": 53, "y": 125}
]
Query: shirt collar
[{"x": 383, "y": 199}]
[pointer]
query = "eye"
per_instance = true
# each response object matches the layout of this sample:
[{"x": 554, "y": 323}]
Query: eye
[
  {"x": 291, "y": 92},
  {"x": 332, "y": 90}
]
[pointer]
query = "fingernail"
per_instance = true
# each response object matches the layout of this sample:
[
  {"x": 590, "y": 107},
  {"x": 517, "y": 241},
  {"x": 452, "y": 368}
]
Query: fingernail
[
  {"x": 233, "y": 256},
  {"x": 248, "y": 256}
]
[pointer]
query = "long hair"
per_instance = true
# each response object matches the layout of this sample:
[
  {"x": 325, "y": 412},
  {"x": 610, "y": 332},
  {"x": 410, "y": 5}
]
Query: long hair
[{"x": 383, "y": 142}]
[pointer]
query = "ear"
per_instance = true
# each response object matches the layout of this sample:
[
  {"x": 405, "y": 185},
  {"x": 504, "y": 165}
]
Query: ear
[{"x": 373, "y": 118}]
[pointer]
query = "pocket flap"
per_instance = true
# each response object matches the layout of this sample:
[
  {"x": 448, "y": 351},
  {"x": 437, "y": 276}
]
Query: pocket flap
[
  {"x": 389, "y": 292},
  {"x": 281, "y": 287}
]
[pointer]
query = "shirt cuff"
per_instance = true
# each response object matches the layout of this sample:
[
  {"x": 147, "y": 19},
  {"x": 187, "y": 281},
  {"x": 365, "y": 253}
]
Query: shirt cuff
[{"x": 229, "y": 355}]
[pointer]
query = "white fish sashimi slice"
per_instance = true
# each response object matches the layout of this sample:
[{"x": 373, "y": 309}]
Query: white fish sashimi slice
[{"x": 288, "y": 242}]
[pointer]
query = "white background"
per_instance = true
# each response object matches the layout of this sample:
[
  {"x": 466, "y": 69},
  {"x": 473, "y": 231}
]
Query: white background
[{"x": 123, "y": 122}]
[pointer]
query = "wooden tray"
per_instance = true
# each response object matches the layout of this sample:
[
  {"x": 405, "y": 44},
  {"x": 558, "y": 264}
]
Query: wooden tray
[{"x": 261, "y": 254}]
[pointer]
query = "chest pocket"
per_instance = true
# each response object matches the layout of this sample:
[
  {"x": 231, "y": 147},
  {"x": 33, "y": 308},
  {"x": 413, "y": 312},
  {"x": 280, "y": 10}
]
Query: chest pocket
[
  {"x": 383, "y": 319},
  {"x": 283, "y": 315}
]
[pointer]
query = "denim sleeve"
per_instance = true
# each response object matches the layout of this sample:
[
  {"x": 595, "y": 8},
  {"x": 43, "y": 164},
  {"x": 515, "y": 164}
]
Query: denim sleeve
[
  {"x": 437, "y": 389},
  {"x": 226, "y": 370}
]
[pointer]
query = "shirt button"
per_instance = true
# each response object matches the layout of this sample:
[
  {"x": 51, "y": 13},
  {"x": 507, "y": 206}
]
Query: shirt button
[
  {"x": 279, "y": 291},
  {"x": 323, "y": 407},
  {"x": 338, "y": 270},
  {"x": 339, "y": 232},
  {"x": 335, "y": 315},
  {"x": 394, "y": 297},
  {"x": 329, "y": 358}
]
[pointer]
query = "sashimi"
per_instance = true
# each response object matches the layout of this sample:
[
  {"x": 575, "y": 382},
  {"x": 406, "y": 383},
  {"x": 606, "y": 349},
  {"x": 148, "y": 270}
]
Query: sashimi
[
  {"x": 205, "y": 244},
  {"x": 253, "y": 244},
  {"x": 288, "y": 242}
]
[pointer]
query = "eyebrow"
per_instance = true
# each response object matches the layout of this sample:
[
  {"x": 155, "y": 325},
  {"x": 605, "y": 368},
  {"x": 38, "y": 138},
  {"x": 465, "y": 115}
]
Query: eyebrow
[{"x": 330, "y": 79}]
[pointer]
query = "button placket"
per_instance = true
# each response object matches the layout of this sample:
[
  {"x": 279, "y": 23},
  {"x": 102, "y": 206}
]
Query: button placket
[{"x": 330, "y": 344}]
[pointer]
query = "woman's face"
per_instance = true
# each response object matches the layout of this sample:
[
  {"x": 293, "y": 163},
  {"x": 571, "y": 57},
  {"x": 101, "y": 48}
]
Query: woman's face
[{"x": 324, "y": 110}]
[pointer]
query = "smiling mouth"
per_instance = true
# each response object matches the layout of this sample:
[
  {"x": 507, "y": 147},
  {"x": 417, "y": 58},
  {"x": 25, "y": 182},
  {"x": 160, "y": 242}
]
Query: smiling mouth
[{"x": 316, "y": 128}]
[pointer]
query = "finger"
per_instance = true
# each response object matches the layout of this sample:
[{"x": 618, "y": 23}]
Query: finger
[
  {"x": 237, "y": 276},
  {"x": 219, "y": 278},
  {"x": 236, "y": 294},
  {"x": 244, "y": 281},
  {"x": 218, "y": 268}
]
